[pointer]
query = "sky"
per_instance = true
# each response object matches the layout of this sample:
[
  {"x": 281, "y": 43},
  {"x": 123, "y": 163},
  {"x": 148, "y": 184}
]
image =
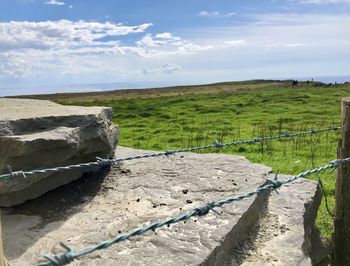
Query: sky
[{"x": 47, "y": 43}]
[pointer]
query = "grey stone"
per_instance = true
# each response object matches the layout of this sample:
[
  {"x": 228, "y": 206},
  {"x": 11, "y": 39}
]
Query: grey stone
[
  {"x": 285, "y": 233},
  {"x": 152, "y": 189},
  {"x": 41, "y": 134}
]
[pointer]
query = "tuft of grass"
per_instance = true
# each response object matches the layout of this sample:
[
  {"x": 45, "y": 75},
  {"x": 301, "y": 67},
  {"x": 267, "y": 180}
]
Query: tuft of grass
[{"x": 184, "y": 120}]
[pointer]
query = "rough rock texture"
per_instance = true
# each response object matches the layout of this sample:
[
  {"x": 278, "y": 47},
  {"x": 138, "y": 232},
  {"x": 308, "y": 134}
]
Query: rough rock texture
[
  {"x": 100, "y": 206},
  {"x": 285, "y": 233},
  {"x": 41, "y": 134}
]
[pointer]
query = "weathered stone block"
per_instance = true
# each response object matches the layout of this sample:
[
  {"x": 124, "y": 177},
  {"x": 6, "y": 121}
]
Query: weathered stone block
[
  {"x": 152, "y": 189},
  {"x": 42, "y": 134},
  {"x": 285, "y": 233}
]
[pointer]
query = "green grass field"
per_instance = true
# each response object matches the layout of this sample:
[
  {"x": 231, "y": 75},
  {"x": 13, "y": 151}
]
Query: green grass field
[{"x": 185, "y": 119}]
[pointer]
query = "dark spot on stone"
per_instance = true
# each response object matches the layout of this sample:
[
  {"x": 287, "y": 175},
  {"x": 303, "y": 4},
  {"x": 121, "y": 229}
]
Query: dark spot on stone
[
  {"x": 162, "y": 204},
  {"x": 189, "y": 201},
  {"x": 138, "y": 200},
  {"x": 185, "y": 191},
  {"x": 119, "y": 232},
  {"x": 125, "y": 171},
  {"x": 154, "y": 206}
]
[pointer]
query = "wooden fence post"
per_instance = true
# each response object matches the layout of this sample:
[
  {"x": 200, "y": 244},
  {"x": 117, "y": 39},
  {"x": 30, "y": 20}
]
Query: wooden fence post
[
  {"x": 3, "y": 261},
  {"x": 341, "y": 236}
]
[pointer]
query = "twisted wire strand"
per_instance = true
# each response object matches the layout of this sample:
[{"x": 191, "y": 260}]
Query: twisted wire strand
[
  {"x": 108, "y": 162},
  {"x": 69, "y": 256}
]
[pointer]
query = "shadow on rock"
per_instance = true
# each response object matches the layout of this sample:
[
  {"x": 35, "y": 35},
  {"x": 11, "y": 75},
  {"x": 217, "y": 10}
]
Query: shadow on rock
[{"x": 49, "y": 211}]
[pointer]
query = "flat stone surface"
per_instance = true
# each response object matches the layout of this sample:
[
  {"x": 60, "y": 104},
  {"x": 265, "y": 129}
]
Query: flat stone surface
[
  {"x": 141, "y": 191},
  {"x": 38, "y": 134},
  {"x": 261, "y": 230},
  {"x": 14, "y": 109}
]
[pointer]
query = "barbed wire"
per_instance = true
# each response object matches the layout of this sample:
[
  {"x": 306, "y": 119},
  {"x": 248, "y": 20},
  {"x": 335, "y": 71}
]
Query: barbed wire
[
  {"x": 70, "y": 255},
  {"x": 108, "y": 162}
]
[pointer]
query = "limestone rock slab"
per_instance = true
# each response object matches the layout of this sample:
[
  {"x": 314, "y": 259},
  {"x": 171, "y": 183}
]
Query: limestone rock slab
[
  {"x": 142, "y": 191},
  {"x": 285, "y": 233},
  {"x": 152, "y": 189},
  {"x": 42, "y": 134}
]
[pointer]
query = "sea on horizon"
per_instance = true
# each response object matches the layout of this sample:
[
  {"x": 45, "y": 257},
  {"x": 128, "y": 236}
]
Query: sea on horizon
[{"x": 76, "y": 88}]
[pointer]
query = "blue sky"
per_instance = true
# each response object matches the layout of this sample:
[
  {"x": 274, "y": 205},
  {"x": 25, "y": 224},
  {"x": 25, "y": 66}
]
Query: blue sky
[{"x": 44, "y": 43}]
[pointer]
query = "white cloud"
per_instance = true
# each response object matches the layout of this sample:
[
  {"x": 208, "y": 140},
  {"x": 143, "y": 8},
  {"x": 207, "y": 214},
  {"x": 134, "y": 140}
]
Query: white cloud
[
  {"x": 208, "y": 13},
  {"x": 164, "y": 69},
  {"x": 230, "y": 14},
  {"x": 13, "y": 66},
  {"x": 170, "y": 68},
  {"x": 291, "y": 45},
  {"x": 236, "y": 43},
  {"x": 166, "y": 35},
  {"x": 61, "y": 34},
  {"x": 82, "y": 45},
  {"x": 165, "y": 44},
  {"x": 282, "y": 45},
  {"x": 28, "y": 46},
  {"x": 159, "y": 39},
  {"x": 212, "y": 14},
  {"x": 55, "y": 2},
  {"x": 84, "y": 51}
]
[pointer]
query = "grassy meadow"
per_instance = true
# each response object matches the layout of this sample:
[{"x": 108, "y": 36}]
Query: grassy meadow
[{"x": 191, "y": 116}]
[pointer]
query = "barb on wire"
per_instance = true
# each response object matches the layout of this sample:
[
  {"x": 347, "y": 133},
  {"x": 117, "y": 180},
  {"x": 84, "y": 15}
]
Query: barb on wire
[
  {"x": 103, "y": 162},
  {"x": 217, "y": 144},
  {"x": 276, "y": 183},
  {"x": 68, "y": 256},
  {"x": 109, "y": 162},
  {"x": 15, "y": 174}
]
